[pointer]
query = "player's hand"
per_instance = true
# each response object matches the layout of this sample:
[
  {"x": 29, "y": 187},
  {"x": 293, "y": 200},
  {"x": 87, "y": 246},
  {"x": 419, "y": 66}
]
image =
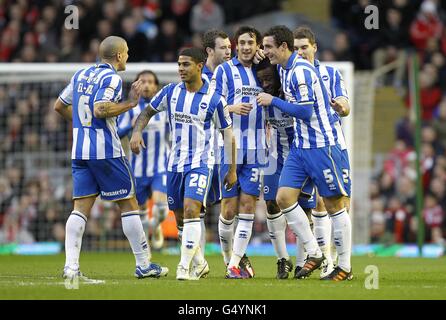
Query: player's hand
[
  {"x": 230, "y": 179},
  {"x": 337, "y": 107},
  {"x": 135, "y": 92},
  {"x": 259, "y": 56},
  {"x": 264, "y": 99},
  {"x": 242, "y": 109},
  {"x": 136, "y": 141}
]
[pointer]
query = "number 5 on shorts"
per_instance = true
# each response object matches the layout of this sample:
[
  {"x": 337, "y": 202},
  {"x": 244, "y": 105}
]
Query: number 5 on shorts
[{"x": 328, "y": 176}]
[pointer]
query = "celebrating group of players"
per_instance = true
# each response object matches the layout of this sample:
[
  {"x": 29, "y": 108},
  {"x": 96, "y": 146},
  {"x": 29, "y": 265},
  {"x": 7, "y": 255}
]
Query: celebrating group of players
[{"x": 265, "y": 121}]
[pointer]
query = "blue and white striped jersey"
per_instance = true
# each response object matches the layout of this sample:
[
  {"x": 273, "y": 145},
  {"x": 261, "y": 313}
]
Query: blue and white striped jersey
[
  {"x": 94, "y": 138},
  {"x": 301, "y": 84},
  {"x": 193, "y": 117},
  {"x": 152, "y": 160},
  {"x": 237, "y": 84},
  {"x": 218, "y": 142},
  {"x": 334, "y": 83},
  {"x": 281, "y": 133}
]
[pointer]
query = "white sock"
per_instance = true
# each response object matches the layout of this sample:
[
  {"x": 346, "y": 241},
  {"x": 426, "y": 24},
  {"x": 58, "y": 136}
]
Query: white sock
[
  {"x": 298, "y": 222},
  {"x": 276, "y": 224},
  {"x": 343, "y": 238},
  {"x": 199, "y": 255},
  {"x": 203, "y": 233},
  {"x": 322, "y": 232},
  {"x": 300, "y": 253},
  {"x": 74, "y": 230},
  {"x": 226, "y": 235},
  {"x": 333, "y": 252},
  {"x": 242, "y": 237},
  {"x": 145, "y": 222},
  {"x": 133, "y": 230},
  {"x": 190, "y": 241}
]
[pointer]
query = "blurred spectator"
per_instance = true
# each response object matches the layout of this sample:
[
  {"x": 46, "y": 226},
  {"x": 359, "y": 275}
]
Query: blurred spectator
[
  {"x": 430, "y": 94},
  {"x": 426, "y": 25},
  {"x": 341, "y": 47},
  {"x": 206, "y": 14},
  {"x": 434, "y": 216},
  {"x": 169, "y": 41},
  {"x": 136, "y": 41},
  {"x": 439, "y": 124},
  {"x": 393, "y": 40}
]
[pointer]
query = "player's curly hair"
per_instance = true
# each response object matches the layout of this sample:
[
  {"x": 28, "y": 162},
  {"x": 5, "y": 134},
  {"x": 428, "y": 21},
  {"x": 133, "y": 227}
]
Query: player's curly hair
[
  {"x": 281, "y": 34},
  {"x": 253, "y": 32}
]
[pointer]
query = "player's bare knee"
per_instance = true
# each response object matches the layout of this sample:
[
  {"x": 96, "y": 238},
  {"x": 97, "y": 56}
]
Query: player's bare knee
[
  {"x": 284, "y": 201},
  {"x": 334, "y": 204},
  {"x": 128, "y": 205},
  {"x": 272, "y": 207},
  {"x": 229, "y": 208},
  {"x": 247, "y": 203},
  {"x": 191, "y": 209}
]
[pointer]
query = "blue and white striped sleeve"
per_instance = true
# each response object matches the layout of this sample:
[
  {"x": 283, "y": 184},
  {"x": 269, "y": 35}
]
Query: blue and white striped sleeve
[
  {"x": 222, "y": 118},
  {"x": 66, "y": 96},
  {"x": 338, "y": 89},
  {"x": 110, "y": 89},
  {"x": 219, "y": 81},
  {"x": 124, "y": 124},
  {"x": 159, "y": 101},
  {"x": 302, "y": 86}
]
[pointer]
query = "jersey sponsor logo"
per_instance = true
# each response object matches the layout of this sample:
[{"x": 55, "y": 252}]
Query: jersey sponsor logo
[
  {"x": 281, "y": 123},
  {"x": 250, "y": 91},
  {"x": 119, "y": 192},
  {"x": 303, "y": 90}
]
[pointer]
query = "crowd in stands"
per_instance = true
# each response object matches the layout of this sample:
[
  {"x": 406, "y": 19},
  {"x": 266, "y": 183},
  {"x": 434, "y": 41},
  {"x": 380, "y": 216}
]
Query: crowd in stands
[
  {"x": 35, "y": 31},
  {"x": 405, "y": 27}
]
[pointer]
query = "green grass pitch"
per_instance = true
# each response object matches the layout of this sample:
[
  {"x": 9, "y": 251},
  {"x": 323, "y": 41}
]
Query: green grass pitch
[{"x": 39, "y": 277}]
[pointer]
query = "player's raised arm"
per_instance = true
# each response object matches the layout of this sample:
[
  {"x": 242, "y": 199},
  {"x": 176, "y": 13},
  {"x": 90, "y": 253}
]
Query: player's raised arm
[{"x": 105, "y": 109}]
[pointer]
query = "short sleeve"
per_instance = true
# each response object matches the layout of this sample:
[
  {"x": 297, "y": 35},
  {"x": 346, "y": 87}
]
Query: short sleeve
[
  {"x": 302, "y": 82},
  {"x": 222, "y": 118},
  {"x": 219, "y": 82},
  {"x": 338, "y": 89},
  {"x": 110, "y": 89},
  {"x": 160, "y": 101},
  {"x": 66, "y": 96}
]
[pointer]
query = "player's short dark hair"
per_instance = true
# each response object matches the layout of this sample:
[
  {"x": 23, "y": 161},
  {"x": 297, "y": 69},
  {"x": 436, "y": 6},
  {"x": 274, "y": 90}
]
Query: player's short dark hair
[
  {"x": 197, "y": 54},
  {"x": 266, "y": 64},
  {"x": 280, "y": 35},
  {"x": 210, "y": 36},
  {"x": 157, "y": 82},
  {"x": 253, "y": 32},
  {"x": 305, "y": 32}
]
